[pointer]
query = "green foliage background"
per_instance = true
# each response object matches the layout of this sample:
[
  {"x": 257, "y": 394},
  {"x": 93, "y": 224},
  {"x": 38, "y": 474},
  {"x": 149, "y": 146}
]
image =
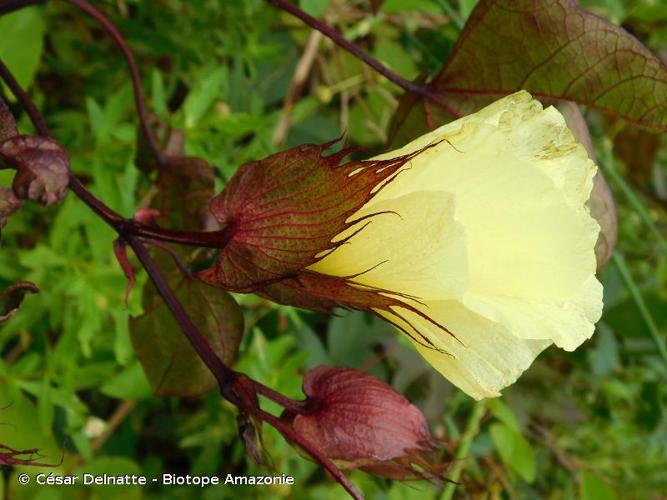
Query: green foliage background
[{"x": 590, "y": 424}]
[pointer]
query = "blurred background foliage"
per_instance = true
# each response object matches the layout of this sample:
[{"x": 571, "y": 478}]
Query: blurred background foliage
[{"x": 590, "y": 424}]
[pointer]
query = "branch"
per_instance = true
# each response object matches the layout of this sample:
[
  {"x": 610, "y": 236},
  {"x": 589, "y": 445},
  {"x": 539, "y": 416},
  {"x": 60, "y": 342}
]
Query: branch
[
  {"x": 132, "y": 232},
  {"x": 35, "y": 116},
  {"x": 353, "y": 49},
  {"x": 7, "y": 6},
  {"x": 134, "y": 75}
]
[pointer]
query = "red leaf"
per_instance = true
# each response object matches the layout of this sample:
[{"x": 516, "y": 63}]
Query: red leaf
[
  {"x": 361, "y": 422},
  {"x": 42, "y": 168},
  {"x": 9, "y": 204},
  {"x": 185, "y": 185},
  {"x": 286, "y": 209},
  {"x": 7, "y": 122},
  {"x": 12, "y": 296},
  {"x": 171, "y": 364},
  {"x": 552, "y": 48}
]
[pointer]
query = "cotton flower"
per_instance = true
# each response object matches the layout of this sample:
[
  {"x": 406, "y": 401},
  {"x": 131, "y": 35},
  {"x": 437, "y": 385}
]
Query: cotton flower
[
  {"x": 474, "y": 240},
  {"x": 485, "y": 238}
]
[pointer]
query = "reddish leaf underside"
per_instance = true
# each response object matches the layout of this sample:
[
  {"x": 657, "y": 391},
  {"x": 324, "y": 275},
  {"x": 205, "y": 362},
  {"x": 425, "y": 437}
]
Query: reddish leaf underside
[
  {"x": 171, "y": 365},
  {"x": 169, "y": 361},
  {"x": 553, "y": 49},
  {"x": 185, "y": 187},
  {"x": 361, "y": 422},
  {"x": 286, "y": 209},
  {"x": 7, "y": 123}
]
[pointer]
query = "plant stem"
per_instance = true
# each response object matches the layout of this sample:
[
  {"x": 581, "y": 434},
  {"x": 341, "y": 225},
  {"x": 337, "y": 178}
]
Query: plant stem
[
  {"x": 471, "y": 430},
  {"x": 223, "y": 374},
  {"x": 619, "y": 262},
  {"x": 131, "y": 232},
  {"x": 299, "y": 440},
  {"x": 134, "y": 75},
  {"x": 353, "y": 49},
  {"x": 35, "y": 116},
  {"x": 7, "y": 6}
]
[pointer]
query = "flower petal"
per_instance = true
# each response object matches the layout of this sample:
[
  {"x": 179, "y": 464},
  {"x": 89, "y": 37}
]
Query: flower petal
[
  {"x": 510, "y": 184},
  {"x": 482, "y": 359},
  {"x": 414, "y": 241}
]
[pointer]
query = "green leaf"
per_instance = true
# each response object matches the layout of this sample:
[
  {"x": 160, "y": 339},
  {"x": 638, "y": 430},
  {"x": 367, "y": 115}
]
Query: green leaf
[
  {"x": 130, "y": 383},
  {"x": 170, "y": 362},
  {"x": 21, "y": 43},
  {"x": 20, "y": 426},
  {"x": 553, "y": 49},
  {"x": 213, "y": 86},
  {"x": 504, "y": 413},
  {"x": 514, "y": 450},
  {"x": 604, "y": 358},
  {"x": 314, "y": 7},
  {"x": 594, "y": 488}
]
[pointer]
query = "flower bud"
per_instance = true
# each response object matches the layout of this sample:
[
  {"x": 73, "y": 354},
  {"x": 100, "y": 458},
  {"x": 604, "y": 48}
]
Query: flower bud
[{"x": 359, "y": 421}]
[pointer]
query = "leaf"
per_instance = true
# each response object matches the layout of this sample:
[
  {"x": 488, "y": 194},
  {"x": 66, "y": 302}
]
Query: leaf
[
  {"x": 185, "y": 187},
  {"x": 170, "y": 362},
  {"x": 171, "y": 142},
  {"x": 553, "y": 49},
  {"x": 7, "y": 122},
  {"x": 638, "y": 149},
  {"x": 504, "y": 413},
  {"x": 12, "y": 296},
  {"x": 514, "y": 450},
  {"x": 20, "y": 428},
  {"x": 314, "y": 7},
  {"x": 22, "y": 43},
  {"x": 604, "y": 359},
  {"x": 285, "y": 210},
  {"x": 9, "y": 204},
  {"x": 594, "y": 488},
  {"x": 42, "y": 168},
  {"x": 130, "y": 383}
]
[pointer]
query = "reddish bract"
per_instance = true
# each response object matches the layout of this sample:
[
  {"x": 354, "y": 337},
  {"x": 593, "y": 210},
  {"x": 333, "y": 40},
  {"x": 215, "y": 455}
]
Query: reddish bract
[
  {"x": 361, "y": 422},
  {"x": 285, "y": 211}
]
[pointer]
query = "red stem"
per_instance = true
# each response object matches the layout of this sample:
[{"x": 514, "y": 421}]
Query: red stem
[
  {"x": 223, "y": 374},
  {"x": 131, "y": 232},
  {"x": 353, "y": 49},
  {"x": 208, "y": 239},
  {"x": 7, "y": 6},
  {"x": 134, "y": 74}
]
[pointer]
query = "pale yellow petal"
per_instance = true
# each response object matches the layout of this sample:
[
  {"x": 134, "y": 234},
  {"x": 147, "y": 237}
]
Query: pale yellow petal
[
  {"x": 426, "y": 256},
  {"x": 483, "y": 358},
  {"x": 508, "y": 187},
  {"x": 568, "y": 322}
]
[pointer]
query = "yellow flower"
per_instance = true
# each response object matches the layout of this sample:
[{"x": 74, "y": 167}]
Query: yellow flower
[{"x": 489, "y": 232}]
